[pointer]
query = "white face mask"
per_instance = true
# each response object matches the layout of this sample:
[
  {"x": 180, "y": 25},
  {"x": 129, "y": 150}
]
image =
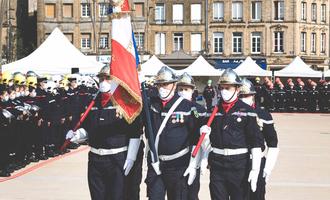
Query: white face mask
[
  {"x": 12, "y": 96},
  {"x": 185, "y": 94},
  {"x": 18, "y": 94},
  {"x": 33, "y": 94},
  {"x": 26, "y": 93},
  {"x": 10, "y": 84},
  {"x": 165, "y": 94},
  {"x": 248, "y": 100},
  {"x": 5, "y": 99},
  {"x": 228, "y": 96},
  {"x": 104, "y": 86}
]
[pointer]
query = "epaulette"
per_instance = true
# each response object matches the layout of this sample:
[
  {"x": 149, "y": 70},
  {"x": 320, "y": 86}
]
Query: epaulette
[{"x": 195, "y": 112}]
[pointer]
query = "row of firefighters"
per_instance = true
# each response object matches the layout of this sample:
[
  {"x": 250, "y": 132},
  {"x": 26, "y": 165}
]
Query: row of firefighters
[
  {"x": 240, "y": 147},
  {"x": 294, "y": 96}
]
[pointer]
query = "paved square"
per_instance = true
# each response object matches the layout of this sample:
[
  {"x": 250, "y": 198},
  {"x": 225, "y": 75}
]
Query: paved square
[{"x": 302, "y": 171}]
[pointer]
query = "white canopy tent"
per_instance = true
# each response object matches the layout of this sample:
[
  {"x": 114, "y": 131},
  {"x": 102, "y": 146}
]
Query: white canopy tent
[
  {"x": 56, "y": 55},
  {"x": 200, "y": 67},
  {"x": 152, "y": 66},
  {"x": 327, "y": 73},
  {"x": 250, "y": 68},
  {"x": 298, "y": 68}
]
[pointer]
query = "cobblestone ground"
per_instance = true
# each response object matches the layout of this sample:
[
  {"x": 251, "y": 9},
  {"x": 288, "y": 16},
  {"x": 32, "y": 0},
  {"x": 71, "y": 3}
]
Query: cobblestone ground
[{"x": 302, "y": 171}]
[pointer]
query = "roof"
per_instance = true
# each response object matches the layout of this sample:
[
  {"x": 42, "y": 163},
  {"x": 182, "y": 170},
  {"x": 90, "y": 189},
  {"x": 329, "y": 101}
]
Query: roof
[
  {"x": 200, "y": 67},
  {"x": 152, "y": 66},
  {"x": 56, "y": 55},
  {"x": 250, "y": 68},
  {"x": 298, "y": 68}
]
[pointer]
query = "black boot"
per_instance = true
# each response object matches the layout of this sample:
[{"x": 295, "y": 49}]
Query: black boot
[
  {"x": 33, "y": 158},
  {"x": 4, "y": 173}
]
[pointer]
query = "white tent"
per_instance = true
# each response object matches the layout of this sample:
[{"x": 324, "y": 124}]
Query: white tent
[
  {"x": 152, "y": 66},
  {"x": 56, "y": 55},
  {"x": 298, "y": 68},
  {"x": 327, "y": 73},
  {"x": 250, "y": 68},
  {"x": 200, "y": 67}
]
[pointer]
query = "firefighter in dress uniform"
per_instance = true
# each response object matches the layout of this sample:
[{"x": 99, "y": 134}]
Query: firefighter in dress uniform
[
  {"x": 313, "y": 97},
  {"x": 186, "y": 87},
  {"x": 209, "y": 94},
  {"x": 171, "y": 169},
  {"x": 266, "y": 124},
  {"x": 5, "y": 123},
  {"x": 41, "y": 102},
  {"x": 232, "y": 137},
  {"x": 114, "y": 144}
]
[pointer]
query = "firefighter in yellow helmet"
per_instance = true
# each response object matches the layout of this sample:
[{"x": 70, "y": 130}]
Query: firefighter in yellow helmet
[
  {"x": 19, "y": 79},
  {"x": 7, "y": 79},
  {"x": 31, "y": 81}
]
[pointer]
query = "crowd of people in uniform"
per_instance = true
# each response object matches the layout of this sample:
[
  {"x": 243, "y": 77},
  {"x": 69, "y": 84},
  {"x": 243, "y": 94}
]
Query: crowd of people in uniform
[
  {"x": 36, "y": 113},
  {"x": 291, "y": 96},
  {"x": 240, "y": 147}
]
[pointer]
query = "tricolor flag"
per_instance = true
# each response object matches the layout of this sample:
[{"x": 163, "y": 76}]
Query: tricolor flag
[{"x": 123, "y": 71}]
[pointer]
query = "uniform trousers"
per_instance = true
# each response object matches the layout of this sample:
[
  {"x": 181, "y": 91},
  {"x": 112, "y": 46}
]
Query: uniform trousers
[{"x": 106, "y": 176}]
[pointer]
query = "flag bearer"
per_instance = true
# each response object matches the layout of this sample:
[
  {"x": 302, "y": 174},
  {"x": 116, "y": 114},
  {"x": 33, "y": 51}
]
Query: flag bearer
[{"x": 235, "y": 135}]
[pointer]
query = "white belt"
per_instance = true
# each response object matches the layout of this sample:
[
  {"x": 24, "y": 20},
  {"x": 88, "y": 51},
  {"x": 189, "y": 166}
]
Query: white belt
[
  {"x": 103, "y": 152},
  {"x": 229, "y": 152},
  {"x": 174, "y": 156}
]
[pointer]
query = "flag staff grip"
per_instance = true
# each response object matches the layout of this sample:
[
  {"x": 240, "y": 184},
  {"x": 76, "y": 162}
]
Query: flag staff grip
[
  {"x": 201, "y": 138},
  {"x": 82, "y": 119}
]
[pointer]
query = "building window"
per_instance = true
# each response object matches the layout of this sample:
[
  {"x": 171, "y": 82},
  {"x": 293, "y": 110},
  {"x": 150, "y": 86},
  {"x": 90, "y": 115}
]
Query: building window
[
  {"x": 237, "y": 42},
  {"x": 139, "y": 39},
  {"x": 314, "y": 10},
  {"x": 196, "y": 42},
  {"x": 177, "y": 41},
  {"x": 303, "y": 11},
  {"x": 139, "y": 9},
  {"x": 177, "y": 13},
  {"x": 303, "y": 42},
  {"x": 237, "y": 11},
  {"x": 218, "y": 11},
  {"x": 69, "y": 36},
  {"x": 85, "y": 10},
  {"x": 103, "y": 9},
  {"x": 160, "y": 43},
  {"x": 278, "y": 10},
  {"x": 218, "y": 42},
  {"x": 50, "y": 10},
  {"x": 256, "y": 10},
  {"x": 160, "y": 13},
  {"x": 323, "y": 42},
  {"x": 313, "y": 43},
  {"x": 278, "y": 42},
  {"x": 67, "y": 10},
  {"x": 104, "y": 41},
  {"x": 85, "y": 41},
  {"x": 256, "y": 42},
  {"x": 196, "y": 13},
  {"x": 323, "y": 13}
]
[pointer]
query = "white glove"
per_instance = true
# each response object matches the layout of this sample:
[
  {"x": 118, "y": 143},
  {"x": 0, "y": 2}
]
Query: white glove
[
  {"x": 133, "y": 149},
  {"x": 204, "y": 162},
  {"x": 206, "y": 142},
  {"x": 78, "y": 136},
  {"x": 70, "y": 134},
  {"x": 271, "y": 158},
  {"x": 254, "y": 173},
  {"x": 155, "y": 165},
  {"x": 193, "y": 166}
]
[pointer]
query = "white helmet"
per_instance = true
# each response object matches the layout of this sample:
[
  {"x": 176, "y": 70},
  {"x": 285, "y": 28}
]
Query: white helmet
[
  {"x": 50, "y": 86},
  {"x": 56, "y": 79}
]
